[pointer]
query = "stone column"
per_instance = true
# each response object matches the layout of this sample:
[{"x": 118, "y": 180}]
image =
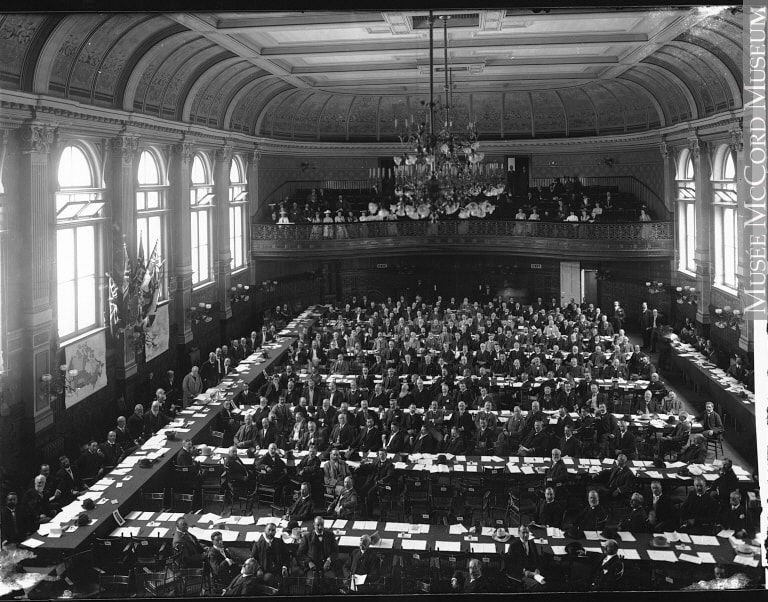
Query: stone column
[
  {"x": 252, "y": 182},
  {"x": 670, "y": 192},
  {"x": 181, "y": 236},
  {"x": 221, "y": 163},
  {"x": 704, "y": 235},
  {"x": 121, "y": 182},
  {"x": 35, "y": 222}
]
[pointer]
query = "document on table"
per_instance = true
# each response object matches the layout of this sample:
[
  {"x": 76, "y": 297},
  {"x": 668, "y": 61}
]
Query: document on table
[
  {"x": 555, "y": 532},
  {"x": 704, "y": 540},
  {"x": 707, "y": 558},
  {"x": 159, "y": 532},
  {"x": 593, "y": 535},
  {"x": 364, "y": 525},
  {"x": 630, "y": 554},
  {"x": 745, "y": 560},
  {"x": 448, "y": 546},
  {"x": 726, "y": 533},
  {"x": 125, "y": 532},
  {"x": 559, "y": 550},
  {"x": 457, "y": 529},
  {"x": 264, "y": 520},
  {"x": 662, "y": 555},
  {"x": 253, "y": 535},
  {"x": 527, "y": 470},
  {"x": 413, "y": 544},
  {"x": 398, "y": 527},
  {"x": 227, "y": 535},
  {"x": 482, "y": 548},
  {"x": 692, "y": 558},
  {"x": 626, "y": 536},
  {"x": 32, "y": 542}
]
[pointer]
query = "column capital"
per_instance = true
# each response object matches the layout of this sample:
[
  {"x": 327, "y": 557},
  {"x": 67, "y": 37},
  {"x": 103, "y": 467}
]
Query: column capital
[
  {"x": 185, "y": 150},
  {"x": 737, "y": 138},
  {"x": 697, "y": 146},
  {"x": 126, "y": 146},
  {"x": 254, "y": 156},
  {"x": 664, "y": 149},
  {"x": 223, "y": 154},
  {"x": 36, "y": 138}
]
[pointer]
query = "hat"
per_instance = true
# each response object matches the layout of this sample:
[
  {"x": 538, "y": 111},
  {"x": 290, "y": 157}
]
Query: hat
[
  {"x": 327, "y": 211},
  {"x": 575, "y": 549},
  {"x": 441, "y": 459},
  {"x": 170, "y": 435},
  {"x": 502, "y": 535},
  {"x": 354, "y": 456},
  {"x": 250, "y": 452},
  {"x": 659, "y": 541},
  {"x": 145, "y": 463},
  {"x": 292, "y": 524},
  {"x": 83, "y": 519},
  {"x": 88, "y": 504},
  {"x": 659, "y": 463},
  {"x": 575, "y": 533},
  {"x": 375, "y": 537},
  {"x": 671, "y": 420}
]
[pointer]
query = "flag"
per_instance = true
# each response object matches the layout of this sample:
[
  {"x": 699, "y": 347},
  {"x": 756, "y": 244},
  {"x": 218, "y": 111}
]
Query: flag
[
  {"x": 151, "y": 269},
  {"x": 126, "y": 286},
  {"x": 152, "y": 296},
  {"x": 114, "y": 306},
  {"x": 141, "y": 268}
]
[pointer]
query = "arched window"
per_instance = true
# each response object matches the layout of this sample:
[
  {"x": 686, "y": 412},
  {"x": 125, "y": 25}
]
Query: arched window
[
  {"x": 79, "y": 223},
  {"x": 238, "y": 205},
  {"x": 686, "y": 212},
  {"x": 725, "y": 220},
  {"x": 152, "y": 209},
  {"x": 201, "y": 203}
]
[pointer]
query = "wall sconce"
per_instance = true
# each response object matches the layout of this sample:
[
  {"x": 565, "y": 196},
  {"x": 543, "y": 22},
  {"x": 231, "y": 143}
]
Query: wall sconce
[
  {"x": 687, "y": 294},
  {"x": 66, "y": 382},
  {"x": 241, "y": 292},
  {"x": 202, "y": 313},
  {"x": 268, "y": 286},
  {"x": 727, "y": 317},
  {"x": 655, "y": 287}
]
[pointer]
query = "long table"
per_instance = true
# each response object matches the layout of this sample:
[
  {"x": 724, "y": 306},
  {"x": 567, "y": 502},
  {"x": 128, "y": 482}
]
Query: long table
[
  {"x": 405, "y": 538},
  {"x": 725, "y": 390},
  {"x": 116, "y": 491}
]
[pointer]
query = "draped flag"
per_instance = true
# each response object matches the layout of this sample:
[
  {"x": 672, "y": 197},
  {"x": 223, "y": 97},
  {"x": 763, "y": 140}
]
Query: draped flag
[
  {"x": 126, "y": 286},
  {"x": 141, "y": 268},
  {"x": 114, "y": 306}
]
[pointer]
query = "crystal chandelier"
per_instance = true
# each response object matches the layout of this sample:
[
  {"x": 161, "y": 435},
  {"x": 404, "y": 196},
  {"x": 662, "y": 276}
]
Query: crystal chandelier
[{"x": 443, "y": 168}]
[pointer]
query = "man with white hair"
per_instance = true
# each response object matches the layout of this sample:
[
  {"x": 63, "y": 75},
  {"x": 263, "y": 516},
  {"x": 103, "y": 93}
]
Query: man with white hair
[{"x": 363, "y": 561}]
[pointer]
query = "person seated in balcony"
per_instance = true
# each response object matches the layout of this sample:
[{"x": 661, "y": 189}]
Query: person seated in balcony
[
  {"x": 534, "y": 216},
  {"x": 597, "y": 211},
  {"x": 585, "y": 216},
  {"x": 520, "y": 215}
]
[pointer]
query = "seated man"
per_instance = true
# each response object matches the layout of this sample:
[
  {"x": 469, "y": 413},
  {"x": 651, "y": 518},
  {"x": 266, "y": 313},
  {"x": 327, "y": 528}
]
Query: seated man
[
  {"x": 382, "y": 474},
  {"x": 523, "y": 562},
  {"x": 111, "y": 451},
  {"x": 68, "y": 481},
  {"x": 363, "y": 562},
  {"x": 556, "y": 473},
  {"x": 645, "y": 404},
  {"x": 636, "y": 520},
  {"x": 246, "y": 434},
  {"x": 735, "y": 517},
  {"x": 624, "y": 442},
  {"x": 483, "y": 439},
  {"x": 570, "y": 445},
  {"x": 725, "y": 483},
  {"x": 304, "y": 506},
  {"x": 36, "y": 505},
  {"x": 711, "y": 423},
  {"x": 619, "y": 480},
  {"x": 346, "y": 503},
  {"x": 186, "y": 455},
  {"x": 245, "y": 583},
  {"x": 235, "y": 472},
  {"x": 695, "y": 452},
  {"x": 478, "y": 584},
  {"x": 662, "y": 515},
  {"x": 424, "y": 442},
  {"x": 593, "y": 517},
  {"x": 335, "y": 471},
  {"x": 271, "y": 557},
  {"x": 223, "y": 566},
  {"x": 536, "y": 442},
  {"x": 610, "y": 570},
  {"x": 454, "y": 443},
  {"x": 271, "y": 469},
  {"x": 187, "y": 546},
  {"x": 677, "y": 438},
  {"x": 549, "y": 511},
  {"x": 317, "y": 554},
  {"x": 90, "y": 463},
  {"x": 699, "y": 511}
]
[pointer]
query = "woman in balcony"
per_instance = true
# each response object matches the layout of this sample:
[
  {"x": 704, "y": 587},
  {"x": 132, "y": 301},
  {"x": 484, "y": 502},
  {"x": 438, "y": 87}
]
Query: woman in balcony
[
  {"x": 647, "y": 230},
  {"x": 317, "y": 228},
  {"x": 341, "y": 229},
  {"x": 327, "y": 224}
]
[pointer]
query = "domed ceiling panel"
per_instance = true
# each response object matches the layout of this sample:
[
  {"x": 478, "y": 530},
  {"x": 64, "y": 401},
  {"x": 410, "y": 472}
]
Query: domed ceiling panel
[
  {"x": 168, "y": 70},
  {"x": 724, "y": 47},
  {"x": 89, "y": 61},
  {"x": 716, "y": 81},
  {"x": 70, "y": 49},
  {"x": 158, "y": 53},
  {"x": 548, "y": 114},
  {"x": 610, "y": 116},
  {"x": 391, "y": 108},
  {"x": 117, "y": 57},
  {"x": 486, "y": 109},
  {"x": 223, "y": 84},
  {"x": 579, "y": 111},
  {"x": 178, "y": 87},
  {"x": 688, "y": 75},
  {"x": 363, "y": 118},
  {"x": 639, "y": 111},
  {"x": 298, "y": 114},
  {"x": 254, "y": 105},
  {"x": 16, "y": 34},
  {"x": 333, "y": 118},
  {"x": 517, "y": 114},
  {"x": 671, "y": 100}
]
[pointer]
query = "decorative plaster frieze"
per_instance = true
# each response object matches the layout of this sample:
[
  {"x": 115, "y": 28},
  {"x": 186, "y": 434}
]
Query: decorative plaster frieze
[{"x": 36, "y": 138}]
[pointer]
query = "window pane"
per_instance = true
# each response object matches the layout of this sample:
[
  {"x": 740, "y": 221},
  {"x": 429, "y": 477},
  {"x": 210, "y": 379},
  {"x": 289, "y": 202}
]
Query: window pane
[
  {"x": 148, "y": 171},
  {"x": 691, "y": 235},
  {"x": 198, "y": 171},
  {"x": 729, "y": 247},
  {"x": 729, "y": 172},
  {"x": 689, "y": 172},
  {"x": 66, "y": 307},
  {"x": 74, "y": 170},
  {"x": 234, "y": 172},
  {"x": 86, "y": 302},
  {"x": 141, "y": 201},
  {"x": 65, "y": 255},
  {"x": 153, "y": 199},
  {"x": 86, "y": 248},
  {"x": 155, "y": 234}
]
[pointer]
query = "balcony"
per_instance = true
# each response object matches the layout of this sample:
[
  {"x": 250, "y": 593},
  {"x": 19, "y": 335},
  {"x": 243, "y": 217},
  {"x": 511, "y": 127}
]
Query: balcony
[{"x": 649, "y": 240}]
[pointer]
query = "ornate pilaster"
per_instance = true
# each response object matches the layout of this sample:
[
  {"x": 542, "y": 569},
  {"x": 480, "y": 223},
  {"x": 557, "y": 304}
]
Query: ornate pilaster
[
  {"x": 179, "y": 229},
  {"x": 221, "y": 163},
  {"x": 704, "y": 235},
  {"x": 34, "y": 220},
  {"x": 252, "y": 179}
]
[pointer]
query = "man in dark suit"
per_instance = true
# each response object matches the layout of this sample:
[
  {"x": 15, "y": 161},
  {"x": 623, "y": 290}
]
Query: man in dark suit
[
  {"x": 636, "y": 521},
  {"x": 421, "y": 395},
  {"x": 711, "y": 422},
  {"x": 317, "y": 554},
  {"x": 662, "y": 515},
  {"x": 346, "y": 503},
  {"x": 724, "y": 484},
  {"x": 90, "y": 463},
  {"x": 477, "y": 582},
  {"x": 549, "y": 512},
  {"x": 245, "y": 436},
  {"x": 382, "y": 473},
  {"x": 396, "y": 442},
  {"x": 454, "y": 443},
  {"x": 172, "y": 387},
  {"x": 483, "y": 439},
  {"x": 462, "y": 420},
  {"x": 645, "y": 325},
  {"x": 111, "y": 452},
  {"x": 535, "y": 443},
  {"x": 369, "y": 438},
  {"x": 656, "y": 323},
  {"x": 68, "y": 481},
  {"x": 247, "y": 397},
  {"x": 619, "y": 480},
  {"x": 342, "y": 435},
  {"x": 695, "y": 452},
  {"x": 245, "y": 583},
  {"x": 570, "y": 445},
  {"x": 593, "y": 517},
  {"x": 606, "y": 426},
  {"x": 304, "y": 506},
  {"x": 699, "y": 511},
  {"x": 210, "y": 372},
  {"x": 312, "y": 394},
  {"x": 271, "y": 469},
  {"x": 271, "y": 556},
  {"x": 677, "y": 438},
  {"x": 186, "y": 455},
  {"x": 266, "y": 435},
  {"x": 13, "y": 521},
  {"x": 611, "y": 568},
  {"x": 123, "y": 437},
  {"x": 625, "y": 443},
  {"x": 135, "y": 424},
  {"x": 363, "y": 561},
  {"x": 155, "y": 419},
  {"x": 735, "y": 516},
  {"x": 223, "y": 566},
  {"x": 556, "y": 473},
  {"x": 36, "y": 504},
  {"x": 184, "y": 543},
  {"x": 523, "y": 561},
  {"x": 424, "y": 442}
]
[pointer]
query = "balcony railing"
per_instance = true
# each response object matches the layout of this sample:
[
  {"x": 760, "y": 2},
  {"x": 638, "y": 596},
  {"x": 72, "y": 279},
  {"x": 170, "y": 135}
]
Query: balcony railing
[{"x": 555, "y": 239}]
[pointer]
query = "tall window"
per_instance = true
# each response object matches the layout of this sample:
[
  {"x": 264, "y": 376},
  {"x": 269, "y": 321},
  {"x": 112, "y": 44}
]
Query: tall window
[
  {"x": 79, "y": 219},
  {"x": 686, "y": 213},
  {"x": 725, "y": 222},
  {"x": 201, "y": 202},
  {"x": 152, "y": 209},
  {"x": 237, "y": 214}
]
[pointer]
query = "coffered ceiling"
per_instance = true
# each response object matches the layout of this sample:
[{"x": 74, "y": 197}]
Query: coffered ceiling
[{"x": 348, "y": 75}]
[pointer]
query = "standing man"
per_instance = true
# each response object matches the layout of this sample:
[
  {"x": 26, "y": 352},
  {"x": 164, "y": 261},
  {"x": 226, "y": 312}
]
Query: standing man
[
  {"x": 645, "y": 324},
  {"x": 272, "y": 557},
  {"x": 191, "y": 386},
  {"x": 317, "y": 554}
]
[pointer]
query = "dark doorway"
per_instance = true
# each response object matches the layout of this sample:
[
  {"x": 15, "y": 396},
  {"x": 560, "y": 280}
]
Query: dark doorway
[{"x": 518, "y": 176}]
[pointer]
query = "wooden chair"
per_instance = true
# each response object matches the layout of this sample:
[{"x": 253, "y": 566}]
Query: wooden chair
[
  {"x": 149, "y": 553},
  {"x": 192, "y": 582},
  {"x": 114, "y": 586},
  {"x": 209, "y": 500},
  {"x": 210, "y": 477},
  {"x": 153, "y": 501},
  {"x": 160, "y": 584},
  {"x": 715, "y": 444},
  {"x": 112, "y": 556},
  {"x": 182, "y": 502}
]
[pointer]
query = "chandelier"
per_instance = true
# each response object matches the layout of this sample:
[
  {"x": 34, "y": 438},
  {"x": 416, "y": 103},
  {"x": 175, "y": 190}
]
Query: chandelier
[
  {"x": 441, "y": 168},
  {"x": 655, "y": 287}
]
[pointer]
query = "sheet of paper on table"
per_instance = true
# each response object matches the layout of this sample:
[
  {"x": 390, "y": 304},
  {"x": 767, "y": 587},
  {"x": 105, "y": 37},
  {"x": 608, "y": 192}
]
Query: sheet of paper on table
[
  {"x": 413, "y": 544},
  {"x": 397, "y": 527},
  {"x": 448, "y": 546},
  {"x": 482, "y": 548},
  {"x": 704, "y": 540},
  {"x": 593, "y": 535},
  {"x": 662, "y": 555},
  {"x": 558, "y": 550},
  {"x": 692, "y": 558},
  {"x": 252, "y": 535},
  {"x": 457, "y": 529},
  {"x": 32, "y": 542},
  {"x": 726, "y": 533},
  {"x": 745, "y": 560},
  {"x": 626, "y": 536},
  {"x": 364, "y": 525},
  {"x": 593, "y": 550},
  {"x": 630, "y": 554}
]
